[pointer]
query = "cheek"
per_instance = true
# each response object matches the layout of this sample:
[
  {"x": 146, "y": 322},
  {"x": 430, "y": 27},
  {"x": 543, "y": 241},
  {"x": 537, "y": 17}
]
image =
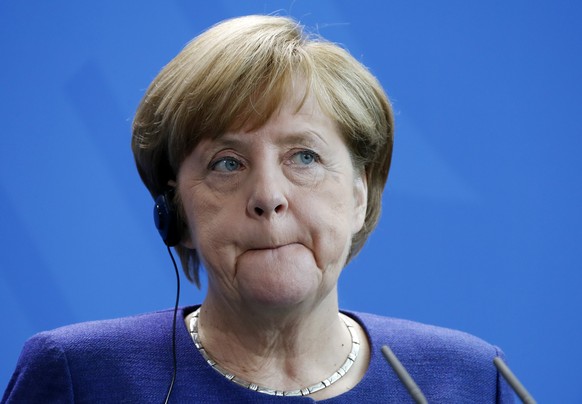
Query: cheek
[
  {"x": 214, "y": 238},
  {"x": 204, "y": 215},
  {"x": 331, "y": 227}
]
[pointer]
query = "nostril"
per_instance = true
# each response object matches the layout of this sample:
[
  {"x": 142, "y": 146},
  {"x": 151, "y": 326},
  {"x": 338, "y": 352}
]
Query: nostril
[
  {"x": 278, "y": 208},
  {"x": 259, "y": 211}
]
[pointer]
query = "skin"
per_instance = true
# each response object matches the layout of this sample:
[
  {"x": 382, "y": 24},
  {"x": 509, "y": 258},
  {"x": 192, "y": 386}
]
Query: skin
[{"x": 271, "y": 212}]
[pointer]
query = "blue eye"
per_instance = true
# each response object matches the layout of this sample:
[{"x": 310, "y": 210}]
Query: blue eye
[
  {"x": 304, "y": 157},
  {"x": 226, "y": 164}
]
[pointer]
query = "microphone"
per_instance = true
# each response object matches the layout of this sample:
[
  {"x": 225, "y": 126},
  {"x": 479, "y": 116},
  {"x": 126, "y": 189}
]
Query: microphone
[
  {"x": 404, "y": 376},
  {"x": 419, "y": 397},
  {"x": 512, "y": 380}
]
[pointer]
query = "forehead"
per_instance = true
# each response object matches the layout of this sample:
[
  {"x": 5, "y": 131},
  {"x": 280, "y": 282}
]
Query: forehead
[
  {"x": 308, "y": 126},
  {"x": 293, "y": 107},
  {"x": 296, "y": 112},
  {"x": 290, "y": 96}
]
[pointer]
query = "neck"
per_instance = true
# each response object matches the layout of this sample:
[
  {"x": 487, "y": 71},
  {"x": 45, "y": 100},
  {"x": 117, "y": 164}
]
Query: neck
[{"x": 284, "y": 349}]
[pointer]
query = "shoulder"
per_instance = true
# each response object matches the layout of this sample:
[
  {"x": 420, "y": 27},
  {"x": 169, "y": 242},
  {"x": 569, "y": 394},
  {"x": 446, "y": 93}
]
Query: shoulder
[
  {"x": 409, "y": 335},
  {"x": 136, "y": 327},
  {"x": 448, "y": 365},
  {"x": 104, "y": 340},
  {"x": 101, "y": 337},
  {"x": 82, "y": 359}
]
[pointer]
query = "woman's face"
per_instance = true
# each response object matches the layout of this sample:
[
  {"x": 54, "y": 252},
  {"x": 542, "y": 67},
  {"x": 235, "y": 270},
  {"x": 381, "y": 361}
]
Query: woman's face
[{"x": 272, "y": 211}]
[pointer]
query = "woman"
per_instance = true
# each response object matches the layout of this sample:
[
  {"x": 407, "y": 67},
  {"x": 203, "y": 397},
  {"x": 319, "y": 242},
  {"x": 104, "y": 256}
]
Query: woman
[{"x": 267, "y": 152}]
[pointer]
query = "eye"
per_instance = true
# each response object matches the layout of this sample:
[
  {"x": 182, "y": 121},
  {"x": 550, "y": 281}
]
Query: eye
[
  {"x": 226, "y": 164},
  {"x": 305, "y": 157}
]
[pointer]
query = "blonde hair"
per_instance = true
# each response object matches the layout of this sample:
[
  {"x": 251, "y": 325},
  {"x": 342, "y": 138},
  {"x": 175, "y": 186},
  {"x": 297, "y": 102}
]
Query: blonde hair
[{"x": 237, "y": 73}]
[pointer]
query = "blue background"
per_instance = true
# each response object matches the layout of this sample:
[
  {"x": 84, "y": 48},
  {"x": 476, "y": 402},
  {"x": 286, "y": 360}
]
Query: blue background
[{"x": 481, "y": 228}]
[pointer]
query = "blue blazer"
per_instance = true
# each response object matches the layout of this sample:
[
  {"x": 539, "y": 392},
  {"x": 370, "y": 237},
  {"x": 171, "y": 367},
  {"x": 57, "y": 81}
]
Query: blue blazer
[{"x": 129, "y": 360}]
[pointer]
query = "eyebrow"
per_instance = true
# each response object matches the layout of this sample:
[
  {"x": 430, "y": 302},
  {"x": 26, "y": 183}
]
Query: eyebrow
[
  {"x": 227, "y": 140},
  {"x": 302, "y": 137}
]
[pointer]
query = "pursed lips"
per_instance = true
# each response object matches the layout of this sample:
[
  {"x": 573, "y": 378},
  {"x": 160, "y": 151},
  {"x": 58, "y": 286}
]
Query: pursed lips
[{"x": 270, "y": 247}]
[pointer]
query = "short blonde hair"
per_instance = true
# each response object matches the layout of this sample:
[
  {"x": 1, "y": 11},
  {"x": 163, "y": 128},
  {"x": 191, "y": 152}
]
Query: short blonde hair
[{"x": 237, "y": 73}]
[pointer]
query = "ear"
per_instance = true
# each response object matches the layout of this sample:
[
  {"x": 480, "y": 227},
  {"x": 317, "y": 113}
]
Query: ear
[{"x": 360, "y": 201}]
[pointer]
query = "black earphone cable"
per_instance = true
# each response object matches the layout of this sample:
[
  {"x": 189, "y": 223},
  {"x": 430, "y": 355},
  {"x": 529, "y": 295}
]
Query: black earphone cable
[{"x": 175, "y": 366}]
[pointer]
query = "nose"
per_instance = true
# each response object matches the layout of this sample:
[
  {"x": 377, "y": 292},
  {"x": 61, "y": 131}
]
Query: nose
[{"x": 267, "y": 196}]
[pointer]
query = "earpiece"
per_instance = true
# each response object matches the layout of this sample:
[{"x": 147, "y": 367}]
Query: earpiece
[
  {"x": 167, "y": 223},
  {"x": 166, "y": 218}
]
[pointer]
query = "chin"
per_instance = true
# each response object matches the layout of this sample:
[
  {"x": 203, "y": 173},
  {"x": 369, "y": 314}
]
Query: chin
[
  {"x": 278, "y": 279},
  {"x": 280, "y": 295}
]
